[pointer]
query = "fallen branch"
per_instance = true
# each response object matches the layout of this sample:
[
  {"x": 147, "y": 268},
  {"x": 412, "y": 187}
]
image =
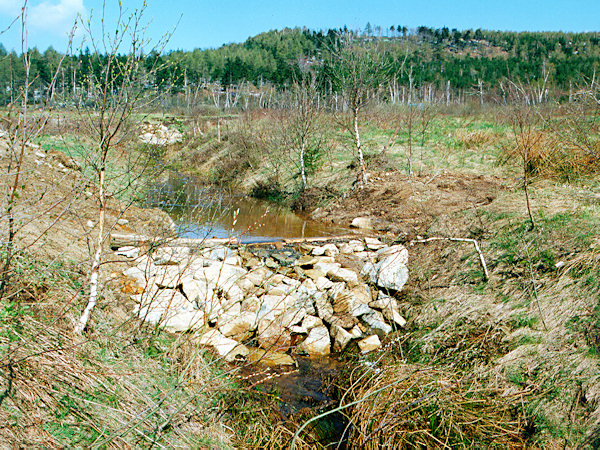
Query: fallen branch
[{"x": 486, "y": 275}]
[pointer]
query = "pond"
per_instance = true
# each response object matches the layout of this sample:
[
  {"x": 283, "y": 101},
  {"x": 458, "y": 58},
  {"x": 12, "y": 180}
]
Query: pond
[{"x": 208, "y": 212}]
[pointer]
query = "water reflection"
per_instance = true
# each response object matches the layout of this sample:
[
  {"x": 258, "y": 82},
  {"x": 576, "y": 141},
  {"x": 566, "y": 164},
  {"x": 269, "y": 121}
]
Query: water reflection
[{"x": 203, "y": 212}]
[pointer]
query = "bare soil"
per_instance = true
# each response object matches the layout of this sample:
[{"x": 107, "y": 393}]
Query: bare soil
[{"x": 406, "y": 207}]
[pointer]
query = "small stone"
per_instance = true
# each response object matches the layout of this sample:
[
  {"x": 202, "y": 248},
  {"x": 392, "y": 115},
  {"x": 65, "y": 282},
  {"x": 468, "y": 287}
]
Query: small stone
[
  {"x": 270, "y": 359},
  {"x": 122, "y": 222},
  {"x": 369, "y": 344},
  {"x": 362, "y": 222},
  {"x": 90, "y": 224},
  {"x": 128, "y": 252},
  {"x": 374, "y": 244}
]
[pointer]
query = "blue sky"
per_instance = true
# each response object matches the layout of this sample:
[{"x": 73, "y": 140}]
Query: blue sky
[{"x": 202, "y": 24}]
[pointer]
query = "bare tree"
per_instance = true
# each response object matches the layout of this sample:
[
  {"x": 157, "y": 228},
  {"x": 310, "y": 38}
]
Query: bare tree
[
  {"x": 358, "y": 71},
  {"x": 117, "y": 91},
  {"x": 304, "y": 130},
  {"x": 21, "y": 127},
  {"x": 524, "y": 120},
  {"x": 579, "y": 126}
]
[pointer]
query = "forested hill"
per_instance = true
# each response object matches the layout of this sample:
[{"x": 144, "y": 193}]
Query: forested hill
[
  {"x": 435, "y": 55},
  {"x": 438, "y": 57}
]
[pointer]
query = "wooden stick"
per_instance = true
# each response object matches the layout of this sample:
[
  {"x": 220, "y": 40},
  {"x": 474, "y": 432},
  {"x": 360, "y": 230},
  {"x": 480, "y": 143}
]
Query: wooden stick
[{"x": 472, "y": 241}]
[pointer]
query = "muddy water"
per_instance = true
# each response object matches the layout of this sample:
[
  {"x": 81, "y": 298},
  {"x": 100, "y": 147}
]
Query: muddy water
[{"x": 206, "y": 212}]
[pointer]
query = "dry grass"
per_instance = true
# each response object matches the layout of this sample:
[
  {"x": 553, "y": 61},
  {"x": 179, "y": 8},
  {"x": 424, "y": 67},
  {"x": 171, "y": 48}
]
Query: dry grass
[
  {"x": 476, "y": 138},
  {"x": 112, "y": 389},
  {"x": 422, "y": 407}
]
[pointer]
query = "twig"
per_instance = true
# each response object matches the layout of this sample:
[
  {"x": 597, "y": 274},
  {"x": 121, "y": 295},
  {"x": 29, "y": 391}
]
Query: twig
[{"x": 486, "y": 274}]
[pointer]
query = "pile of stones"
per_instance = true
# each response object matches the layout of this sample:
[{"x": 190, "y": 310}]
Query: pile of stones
[{"x": 314, "y": 299}]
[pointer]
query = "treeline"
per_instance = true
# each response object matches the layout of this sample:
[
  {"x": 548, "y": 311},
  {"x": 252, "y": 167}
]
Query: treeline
[{"x": 440, "y": 59}]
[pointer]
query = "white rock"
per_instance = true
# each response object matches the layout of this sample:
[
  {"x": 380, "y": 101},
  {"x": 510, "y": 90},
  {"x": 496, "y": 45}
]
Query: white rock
[
  {"x": 341, "y": 338},
  {"x": 238, "y": 326},
  {"x": 324, "y": 307},
  {"x": 323, "y": 283},
  {"x": 348, "y": 276},
  {"x": 390, "y": 272},
  {"x": 374, "y": 244},
  {"x": 345, "y": 249},
  {"x": 362, "y": 222},
  {"x": 356, "y": 245},
  {"x": 330, "y": 250},
  {"x": 185, "y": 321},
  {"x": 251, "y": 304},
  {"x": 394, "y": 316},
  {"x": 225, "y": 347},
  {"x": 221, "y": 275},
  {"x": 327, "y": 267},
  {"x": 317, "y": 343},
  {"x": 128, "y": 251},
  {"x": 196, "y": 291},
  {"x": 281, "y": 289},
  {"x": 356, "y": 332},
  {"x": 318, "y": 251},
  {"x": 376, "y": 322},
  {"x": 259, "y": 275},
  {"x": 298, "y": 329},
  {"x": 369, "y": 344},
  {"x": 271, "y": 335},
  {"x": 291, "y": 317},
  {"x": 311, "y": 322},
  {"x": 122, "y": 221}
]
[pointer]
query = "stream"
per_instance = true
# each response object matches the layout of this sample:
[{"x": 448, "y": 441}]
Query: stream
[{"x": 208, "y": 212}]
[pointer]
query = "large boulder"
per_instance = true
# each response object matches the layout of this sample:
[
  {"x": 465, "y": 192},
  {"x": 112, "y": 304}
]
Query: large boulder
[
  {"x": 317, "y": 343},
  {"x": 390, "y": 271},
  {"x": 238, "y": 327},
  {"x": 272, "y": 335},
  {"x": 225, "y": 347}
]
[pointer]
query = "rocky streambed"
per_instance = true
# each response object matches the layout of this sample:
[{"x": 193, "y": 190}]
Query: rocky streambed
[{"x": 257, "y": 301}]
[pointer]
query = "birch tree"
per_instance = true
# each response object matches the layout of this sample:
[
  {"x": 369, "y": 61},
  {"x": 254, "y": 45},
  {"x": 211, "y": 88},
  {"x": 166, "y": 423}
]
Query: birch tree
[
  {"x": 357, "y": 72},
  {"x": 117, "y": 91}
]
